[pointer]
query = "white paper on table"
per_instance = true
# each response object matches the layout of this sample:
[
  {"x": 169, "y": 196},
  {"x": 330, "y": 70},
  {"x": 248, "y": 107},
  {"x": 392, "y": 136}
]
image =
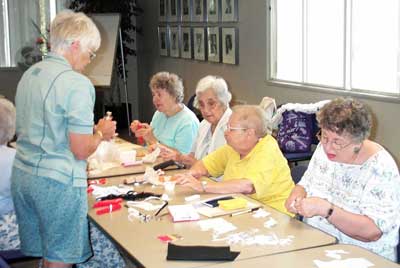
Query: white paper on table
[{"x": 347, "y": 263}]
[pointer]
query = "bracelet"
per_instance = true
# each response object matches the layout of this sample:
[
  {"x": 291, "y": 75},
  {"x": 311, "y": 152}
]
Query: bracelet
[
  {"x": 203, "y": 186},
  {"x": 98, "y": 132},
  {"x": 330, "y": 212}
]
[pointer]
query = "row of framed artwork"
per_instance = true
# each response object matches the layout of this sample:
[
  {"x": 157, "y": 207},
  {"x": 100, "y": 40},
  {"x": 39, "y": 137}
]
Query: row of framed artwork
[
  {"x": 214, "y": 44},
  {"x": 198, "y": 10}
]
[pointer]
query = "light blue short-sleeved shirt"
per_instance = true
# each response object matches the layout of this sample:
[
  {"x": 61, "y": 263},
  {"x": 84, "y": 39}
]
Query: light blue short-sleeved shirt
[
  {"x": 178, "y": 131},
  {"x": 52, "y": 101}
]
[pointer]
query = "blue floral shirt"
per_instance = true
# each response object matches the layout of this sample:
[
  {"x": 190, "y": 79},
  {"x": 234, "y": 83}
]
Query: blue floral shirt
[{"x": 371, "y": 189}]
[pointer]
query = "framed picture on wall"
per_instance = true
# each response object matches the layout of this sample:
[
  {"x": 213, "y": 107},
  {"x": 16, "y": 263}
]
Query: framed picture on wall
[
  {"x": 213, "y": 44},
  {"x": 212, "y": 10},
  {"x": 163, "y": 40},
  {"x": 186, "y": 42},
  {"x": 229, "y": 10},
  {"x": 174, "y": 10},
  {"x": 162, "y": 10},
  {"x": 230, "y": 45},
  {"x": 198, "y": 10},
  {"x": 199, "y": 43},
  {"x": 174, "y": 43},
  {"x": 186, "y": 10}
]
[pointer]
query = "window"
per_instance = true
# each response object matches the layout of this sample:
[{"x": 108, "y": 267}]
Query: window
[
  {"x": 349, "y": 45},
  {"x": 18, "y": 21}
]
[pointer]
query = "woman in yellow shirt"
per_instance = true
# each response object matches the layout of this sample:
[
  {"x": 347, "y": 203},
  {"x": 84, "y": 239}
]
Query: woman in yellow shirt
[{"x": 251, "y": 162}]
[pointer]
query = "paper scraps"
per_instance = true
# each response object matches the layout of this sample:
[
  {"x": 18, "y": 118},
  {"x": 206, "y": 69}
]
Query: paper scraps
[
  {"x": 251, "y": 238},
  {"x": 271, "y": 222},
  {"x": 338, "y": 262},
  {"x": 169, "y": 238},
  {"x": 261, "y": 213},
  {"x": 218, "y": 226}
]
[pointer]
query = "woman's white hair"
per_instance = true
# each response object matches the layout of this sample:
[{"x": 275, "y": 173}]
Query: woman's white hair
[
  {"x": 7, "y": 120},
  {"x": 217, "y": 85},
  {"x": 68, "y": 27}
]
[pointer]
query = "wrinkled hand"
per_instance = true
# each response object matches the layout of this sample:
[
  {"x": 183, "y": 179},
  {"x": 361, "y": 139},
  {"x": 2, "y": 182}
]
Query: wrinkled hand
[
  {"x": 107, "y": 128},
  {"x": 186, "y": 179},
  {"x": 312, "y": 206},
  {"x": 296, "y": 195},
  {"x": 135, "y": 125},
  {"x": 168, "y": 153}
]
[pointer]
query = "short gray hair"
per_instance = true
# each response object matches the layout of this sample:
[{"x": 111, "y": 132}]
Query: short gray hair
[
  {"x": 346, "y": 116},
  {"x": 253, "y": 116},
  {"x": 7, "y": 121},
  {"x": 68, "y": 27},
  {"x": 218, "y": 85},
  {"x": 169, "y": 82}
]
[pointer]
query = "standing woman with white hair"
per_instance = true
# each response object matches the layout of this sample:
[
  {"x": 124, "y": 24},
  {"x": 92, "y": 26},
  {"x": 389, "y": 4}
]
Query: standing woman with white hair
[
  {"x": 212, "y": 99},
  {"x": 55, "y": 135}
]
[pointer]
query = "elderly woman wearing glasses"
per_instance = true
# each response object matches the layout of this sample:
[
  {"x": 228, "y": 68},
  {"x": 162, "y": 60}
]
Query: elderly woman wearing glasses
[
  {"x": 54, "y": 125},
  {"x": 173, "y": 124},
  {"x": 212, "y": 99},
  {"x": 351, "y": 186},
  {"x": 251, "y": 162}
]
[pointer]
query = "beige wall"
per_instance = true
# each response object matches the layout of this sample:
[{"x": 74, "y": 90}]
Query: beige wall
[{"x": 248, "y": 79}]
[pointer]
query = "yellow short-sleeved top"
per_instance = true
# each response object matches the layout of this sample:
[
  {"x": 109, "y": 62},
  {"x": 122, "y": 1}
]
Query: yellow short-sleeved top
[{"x": 265, "y": 166}]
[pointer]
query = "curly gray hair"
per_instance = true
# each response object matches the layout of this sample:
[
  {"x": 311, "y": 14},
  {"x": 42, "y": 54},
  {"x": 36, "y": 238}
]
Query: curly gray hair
[
  {"x": 218, "y": 85},
  {"x": 7, "y": 121},
  {"x": 346, "y": 116},
  {"x": 169, "y": 82}
]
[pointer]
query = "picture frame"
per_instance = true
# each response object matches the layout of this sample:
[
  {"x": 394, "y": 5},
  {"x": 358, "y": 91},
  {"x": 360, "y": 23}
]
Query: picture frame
[
  {"x": 198, "y": 9},
  {"x": 174, "y": 14},
  {"x": 213, "y": 44},
  {"x": 186, "y": 43},
  {"x": 229, "y": 10},
  {"x": 174, "y": 41},
  {"x": 230, "y": 45},
  {"x": 186, "y": 10},
  {"x": 163, "y": 40},
  {"x": 213, "y": 10},
  {"x": 199, "y": 43},
  {"x": 162, "y": 10}
]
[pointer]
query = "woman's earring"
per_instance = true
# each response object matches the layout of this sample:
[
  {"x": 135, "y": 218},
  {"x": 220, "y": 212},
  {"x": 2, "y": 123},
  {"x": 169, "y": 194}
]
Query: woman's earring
[{"x": 356, "y": 150}]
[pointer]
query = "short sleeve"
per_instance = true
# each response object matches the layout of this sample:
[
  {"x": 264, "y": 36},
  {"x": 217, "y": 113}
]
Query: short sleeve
[
  {"x": 381, "y": 197},
  {"x": 80, "y": 108},
  {"x": 216, "y": 162}
]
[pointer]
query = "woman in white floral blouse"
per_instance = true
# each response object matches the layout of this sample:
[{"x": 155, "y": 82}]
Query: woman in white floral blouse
[{"x": 351, "y": 188}]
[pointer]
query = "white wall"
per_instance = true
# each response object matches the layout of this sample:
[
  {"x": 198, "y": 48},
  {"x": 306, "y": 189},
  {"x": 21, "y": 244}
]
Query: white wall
[{"x": 248, "y": 79}]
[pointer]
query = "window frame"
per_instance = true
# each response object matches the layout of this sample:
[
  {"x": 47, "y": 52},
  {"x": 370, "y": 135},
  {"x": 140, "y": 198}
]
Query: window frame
[{"x": 346, "y": 90}]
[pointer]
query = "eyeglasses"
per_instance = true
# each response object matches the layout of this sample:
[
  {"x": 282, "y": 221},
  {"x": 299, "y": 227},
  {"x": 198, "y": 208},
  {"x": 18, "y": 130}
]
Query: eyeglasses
[
  {"x": 336, "y": 145},
  {"x": 229, "y": 128},
  {"x": 209, "y": 104},
  {"x": 92, "y": 55}
]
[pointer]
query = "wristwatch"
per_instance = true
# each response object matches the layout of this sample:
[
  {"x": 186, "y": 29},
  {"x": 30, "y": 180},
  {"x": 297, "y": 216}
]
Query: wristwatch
[
  {"x": 330, "y": 212},
  {"x": 203, "y": 185}
]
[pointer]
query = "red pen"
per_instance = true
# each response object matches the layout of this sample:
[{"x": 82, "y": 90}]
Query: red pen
[
  {"x": 109, "y": 209},
  {"x": 107, "y": 202}
]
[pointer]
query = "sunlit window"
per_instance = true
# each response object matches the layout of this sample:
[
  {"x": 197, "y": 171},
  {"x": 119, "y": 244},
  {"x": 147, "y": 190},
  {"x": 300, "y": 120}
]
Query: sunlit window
[
  {"x": 348, "y": 45},
  {"x": 20, "y": 29}
]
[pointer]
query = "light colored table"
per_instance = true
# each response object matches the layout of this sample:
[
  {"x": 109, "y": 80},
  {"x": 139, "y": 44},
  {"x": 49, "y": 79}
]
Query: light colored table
[
  {"x": 121, "y": 170},
  {"x": 305, "y": 258},
  {"x": 140, "y": 241}
]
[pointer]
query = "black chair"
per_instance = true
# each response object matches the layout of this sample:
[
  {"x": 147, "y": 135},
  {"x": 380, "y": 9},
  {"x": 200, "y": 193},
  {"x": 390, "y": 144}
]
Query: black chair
[
  {"x": 297, "y": 172},
  {"x": 194, "y": 109},
  {"x": 11, "y": 256}
]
